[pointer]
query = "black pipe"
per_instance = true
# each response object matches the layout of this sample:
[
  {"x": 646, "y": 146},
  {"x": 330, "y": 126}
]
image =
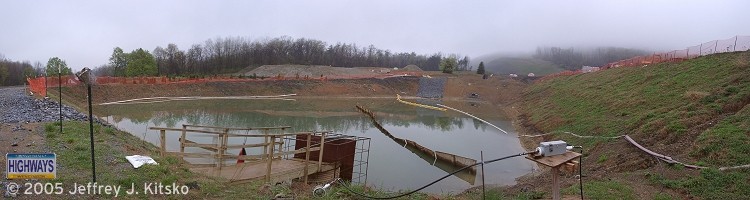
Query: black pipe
[
  {"x": 59, "y": 88},
  {"x": 91, "y": 134},
  {"x": 481, "y": 155}
]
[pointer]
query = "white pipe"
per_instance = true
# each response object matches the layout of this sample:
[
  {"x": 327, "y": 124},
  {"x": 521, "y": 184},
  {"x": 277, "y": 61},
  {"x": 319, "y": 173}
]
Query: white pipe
[
  {"x": 162, "y": 99},
  {"x": 477, "y": 118}
]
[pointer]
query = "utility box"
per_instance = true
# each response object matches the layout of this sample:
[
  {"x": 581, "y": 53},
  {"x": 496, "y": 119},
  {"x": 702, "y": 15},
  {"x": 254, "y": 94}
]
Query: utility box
[{"x": 552, "y": 148}]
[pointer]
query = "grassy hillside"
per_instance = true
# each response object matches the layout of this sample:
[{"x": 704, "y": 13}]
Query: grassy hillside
[
  {"x": 519, "y": 65},
  {"x": 695, "y": 111}
]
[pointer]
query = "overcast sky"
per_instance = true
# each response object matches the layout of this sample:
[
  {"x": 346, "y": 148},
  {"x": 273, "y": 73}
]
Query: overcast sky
[{"x": 84, "y": 32}]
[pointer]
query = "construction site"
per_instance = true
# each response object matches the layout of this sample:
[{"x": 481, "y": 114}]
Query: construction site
[{"x": 309, "y": 126}]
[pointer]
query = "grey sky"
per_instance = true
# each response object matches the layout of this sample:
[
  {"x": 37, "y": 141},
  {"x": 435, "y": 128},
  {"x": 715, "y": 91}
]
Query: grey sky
[{"x": 84, "y": 32}]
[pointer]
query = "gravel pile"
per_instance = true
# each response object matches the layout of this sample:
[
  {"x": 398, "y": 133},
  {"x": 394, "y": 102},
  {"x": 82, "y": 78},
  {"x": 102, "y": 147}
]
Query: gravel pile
[
  {"x": 431, "y": 87},
  {"x": 17, "y": 107}
]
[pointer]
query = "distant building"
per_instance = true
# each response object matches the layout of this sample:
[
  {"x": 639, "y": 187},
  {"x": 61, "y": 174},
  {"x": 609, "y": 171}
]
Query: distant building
[
  {"x": 513, "y": 75},
  {"x": 587, "y": 69},
  {"x": 531, "y": 75}
]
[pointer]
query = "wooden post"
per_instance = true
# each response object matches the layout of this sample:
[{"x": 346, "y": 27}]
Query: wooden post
[
  {"x": 307, "y": 155},
  {"x": 182, "y": 139},
  {"x": 555, "y": 183},
  {"x": 220, "y": 146},
  {"x": 163, "y": 142},
  {"x": 320, "y": 155},
  {"x": 270, "y": 160},
  {"x": 716, "y": 45},
  {"x": 281, "y": 142},
  {"x": 265, "y": 139},
  {"x": 224, "y": 147},
  {"x": 555, "y": 162}
]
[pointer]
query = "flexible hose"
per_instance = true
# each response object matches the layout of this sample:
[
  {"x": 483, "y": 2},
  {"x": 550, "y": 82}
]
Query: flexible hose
[{"x": 428, "y": 185}]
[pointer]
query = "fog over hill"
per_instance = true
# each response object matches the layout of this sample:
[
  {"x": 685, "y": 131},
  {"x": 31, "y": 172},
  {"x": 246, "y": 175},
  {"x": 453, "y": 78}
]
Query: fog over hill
[{"x": 546, "y": 60}]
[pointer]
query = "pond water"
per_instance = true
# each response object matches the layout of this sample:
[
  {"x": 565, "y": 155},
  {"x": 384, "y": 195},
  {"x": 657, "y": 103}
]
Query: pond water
[{"x": 391, "y": 166}]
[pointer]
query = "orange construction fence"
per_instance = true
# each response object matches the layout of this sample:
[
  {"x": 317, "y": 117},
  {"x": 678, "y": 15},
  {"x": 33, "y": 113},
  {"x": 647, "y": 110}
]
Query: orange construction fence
[{"x": 39, "y": 85}]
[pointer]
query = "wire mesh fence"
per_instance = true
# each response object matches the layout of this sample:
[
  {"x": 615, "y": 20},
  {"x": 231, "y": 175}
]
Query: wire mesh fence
[{"x": 734, "y": 44}]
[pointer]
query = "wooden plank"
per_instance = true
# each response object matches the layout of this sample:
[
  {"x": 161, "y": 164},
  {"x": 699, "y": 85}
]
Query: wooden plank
[
  {"x": 246, "y": 157},
  {"x": 240, "y": 129},
  {"x": 556, "y": 160},
  {"x": 194, "y": 155},
  {"x": 276, "y": 155},
  {"x": 212, "y": 147},
  {"x": 320, "y": 155},
  {"x": 307, "y": 157},
  {"x": 209, "y": 147},
  {"x": 247, "y": 145},
  {"x": 182, "y": 139},
  {"x": 284, "y": 153},
  {"x": 261, "y": 135},
  {"x": 187, "y": 130},
  {"x": 281, "y": 170}
]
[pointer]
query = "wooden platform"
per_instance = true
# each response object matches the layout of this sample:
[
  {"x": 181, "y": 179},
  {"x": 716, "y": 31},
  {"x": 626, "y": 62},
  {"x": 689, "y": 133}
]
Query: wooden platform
[
  {"x": 556, "y": 160},
  {"x": 281, "y": 169}
]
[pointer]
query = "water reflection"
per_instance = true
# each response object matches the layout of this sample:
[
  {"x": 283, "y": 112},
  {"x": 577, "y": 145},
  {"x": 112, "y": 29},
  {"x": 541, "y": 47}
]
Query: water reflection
[{"x": 392, "y": 166}]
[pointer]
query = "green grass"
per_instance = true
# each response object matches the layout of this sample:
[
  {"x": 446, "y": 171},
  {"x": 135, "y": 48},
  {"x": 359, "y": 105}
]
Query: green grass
[
  {"x": 498, "y": 194},
  {"x": 602, "y": 158},
  {"x": 727, "y": 143},
  {"x": 659, "y": 105},
  {"x": 662, "y": 196},
  {"x": 74, "y": 164},
  {"x": 664, "y": 100},
  {"x": 341, "y": 192},
  {"x": 711, "y": 184},
  {"x": 601, "y": 190}
]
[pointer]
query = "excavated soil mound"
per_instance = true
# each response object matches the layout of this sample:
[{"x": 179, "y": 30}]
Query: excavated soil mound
[
  {"x": 412, "y": 68},
  {"x": 310, "y": 71}
]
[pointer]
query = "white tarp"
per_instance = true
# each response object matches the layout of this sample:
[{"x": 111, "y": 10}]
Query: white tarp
[{"x": 139, "y": 160}]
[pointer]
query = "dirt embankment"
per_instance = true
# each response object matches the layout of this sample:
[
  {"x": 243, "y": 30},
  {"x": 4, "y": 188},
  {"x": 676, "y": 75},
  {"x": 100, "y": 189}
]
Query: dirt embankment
[
  {"x": 330, "y": 88},
  {"x": 496, "y": 91}
]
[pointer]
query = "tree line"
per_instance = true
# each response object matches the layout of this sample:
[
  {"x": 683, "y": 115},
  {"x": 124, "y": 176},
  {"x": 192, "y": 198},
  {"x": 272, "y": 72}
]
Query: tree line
[
  {"x": 231, "y": 54},
  {"x": 573, "y": 59},
  {"x": 16, "y": 72}
]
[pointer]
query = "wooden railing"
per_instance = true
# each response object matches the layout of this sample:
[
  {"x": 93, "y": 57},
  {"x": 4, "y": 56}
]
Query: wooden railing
[{"x": 271, "y": 141}]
